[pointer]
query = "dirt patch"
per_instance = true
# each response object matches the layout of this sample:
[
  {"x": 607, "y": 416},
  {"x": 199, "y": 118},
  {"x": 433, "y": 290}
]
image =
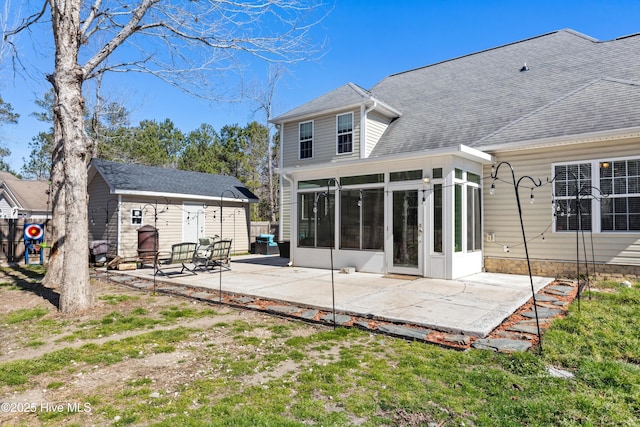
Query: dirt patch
[{"x": 208, "y": 352}]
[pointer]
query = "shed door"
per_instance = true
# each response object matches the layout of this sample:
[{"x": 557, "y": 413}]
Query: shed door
[{"x": 192, "y": 222}]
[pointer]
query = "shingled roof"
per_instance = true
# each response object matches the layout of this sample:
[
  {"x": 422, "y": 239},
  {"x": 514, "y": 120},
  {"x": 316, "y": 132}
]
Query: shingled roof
[
  {"x": 125, "y": 178},
  {"x": 28, "y": 195},
  {"x": 571, "y": 84},
  {"x": 470, "y": 100}
]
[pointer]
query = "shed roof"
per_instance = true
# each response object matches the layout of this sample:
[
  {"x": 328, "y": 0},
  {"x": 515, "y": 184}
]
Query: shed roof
[{"x": 125, "y": 178}]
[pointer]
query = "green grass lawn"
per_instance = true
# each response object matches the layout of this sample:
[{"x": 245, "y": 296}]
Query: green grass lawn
[{"x": 260, "y": 370}]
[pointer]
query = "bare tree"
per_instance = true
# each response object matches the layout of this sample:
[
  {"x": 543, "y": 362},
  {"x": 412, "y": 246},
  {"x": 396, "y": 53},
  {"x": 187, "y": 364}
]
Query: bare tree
[
  {"x": 264, "y": 98},
  {"x": 187, "y": 44}
]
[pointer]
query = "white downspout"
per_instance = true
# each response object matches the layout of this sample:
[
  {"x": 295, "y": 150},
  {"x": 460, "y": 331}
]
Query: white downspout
[
  {"x": 363, "y": 128},
  {"x": 118, "y": 230},
  {"x": 280, "y": 126}
]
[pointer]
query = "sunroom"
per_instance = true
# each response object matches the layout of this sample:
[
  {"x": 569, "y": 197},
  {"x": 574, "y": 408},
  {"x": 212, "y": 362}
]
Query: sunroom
[{"x": 419, "y": 215}]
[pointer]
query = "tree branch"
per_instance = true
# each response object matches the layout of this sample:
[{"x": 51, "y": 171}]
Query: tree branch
[
  {"x": 27, "y": 22},
  {"x": 92, "y": 15},
  {"x": 126, "y": 31}
]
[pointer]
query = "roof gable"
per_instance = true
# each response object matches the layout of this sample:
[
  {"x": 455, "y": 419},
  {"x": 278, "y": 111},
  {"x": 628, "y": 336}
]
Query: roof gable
[
  {"x": 147, "y": 180},
  {"x": 26, "y": 195},
  {"x": 346, "y": 96}
]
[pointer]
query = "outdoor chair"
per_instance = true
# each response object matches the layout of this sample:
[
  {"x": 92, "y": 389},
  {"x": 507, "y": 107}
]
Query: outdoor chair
[
  {"x": 181, "y": 255},
  {"x": 218, "y": 256}
]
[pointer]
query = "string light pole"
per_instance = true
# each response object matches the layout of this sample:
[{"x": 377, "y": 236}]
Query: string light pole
[
  {"x": 580, "y": 192},
  {"x": 235, "y": 197},
  {"x": 327, "y": 197},
  {"x": 154, "y": 206},
  {"x": 516, "y": 185}
]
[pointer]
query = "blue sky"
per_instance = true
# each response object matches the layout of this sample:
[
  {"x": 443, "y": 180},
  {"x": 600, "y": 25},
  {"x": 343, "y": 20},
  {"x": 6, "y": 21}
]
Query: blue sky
[{"x": 366, "y": 40}]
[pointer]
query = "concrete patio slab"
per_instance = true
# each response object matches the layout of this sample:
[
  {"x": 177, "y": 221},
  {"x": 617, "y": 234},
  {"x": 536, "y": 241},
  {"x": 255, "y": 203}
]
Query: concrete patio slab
[{"x": 473, "y": 305}]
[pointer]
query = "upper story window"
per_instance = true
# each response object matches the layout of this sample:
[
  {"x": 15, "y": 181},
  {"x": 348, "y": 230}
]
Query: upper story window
[
  {"x": 345, "y": 133},
  {"x": 306, "y": 140}
]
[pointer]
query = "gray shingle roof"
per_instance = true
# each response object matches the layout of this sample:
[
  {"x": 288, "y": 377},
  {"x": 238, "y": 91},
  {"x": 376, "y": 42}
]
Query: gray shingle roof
[
  {"x": 131, "y": 178},
  {"x": 30, "y": 195},
  {"x": 349, "y": 94},
  {"x": 483, "y": 99},
  {"x": 602, "y": 105},
  {"x": 342, "y": 97},
  {"x": 467, "y": 99}
]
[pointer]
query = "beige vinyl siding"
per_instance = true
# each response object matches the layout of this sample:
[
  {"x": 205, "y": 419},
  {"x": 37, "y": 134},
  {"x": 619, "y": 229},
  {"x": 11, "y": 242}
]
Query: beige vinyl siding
[
  {"x": 287, "y": 206},
  {"x": 376, "y": 125},
  {"x": 324, "y": 141},
  {"x": 501, "y": 216},
  {"x": 102, "y": 202},
  {"x": 235, "y": 223}
]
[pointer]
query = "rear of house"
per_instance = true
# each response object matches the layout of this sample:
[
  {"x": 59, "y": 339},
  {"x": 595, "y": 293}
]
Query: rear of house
[{"x": 397, "y": 179}]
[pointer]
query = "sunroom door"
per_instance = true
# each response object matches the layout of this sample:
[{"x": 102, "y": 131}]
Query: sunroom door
[{"x": 406, "y": 253}]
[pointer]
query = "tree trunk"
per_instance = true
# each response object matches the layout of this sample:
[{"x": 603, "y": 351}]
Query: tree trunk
[
  {"x": 53, "y": 278},
  {"x": 67, "y": 81}
]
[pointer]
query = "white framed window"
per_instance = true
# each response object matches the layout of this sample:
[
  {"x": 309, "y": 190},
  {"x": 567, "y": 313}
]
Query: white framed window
[
  {"x": 467, "y": 213},
  {"x": 305, "y": 135},
  {"x": 620, "y": 179},
  {"x": 601, "y": 195},
  {"x": 344, "y": 126},
  {"x": 136, "y": 216}
]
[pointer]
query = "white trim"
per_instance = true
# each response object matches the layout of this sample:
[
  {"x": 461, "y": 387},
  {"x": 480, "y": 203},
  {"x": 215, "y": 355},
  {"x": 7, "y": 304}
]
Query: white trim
[
  {"x": 459, "y": 151},
  {"x": 176, "y": 195},
  {"x": 389, "y": 111}
]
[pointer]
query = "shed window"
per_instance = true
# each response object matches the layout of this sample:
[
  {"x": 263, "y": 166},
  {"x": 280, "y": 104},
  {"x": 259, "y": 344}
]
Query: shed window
[{"x": 136, "y": 216}]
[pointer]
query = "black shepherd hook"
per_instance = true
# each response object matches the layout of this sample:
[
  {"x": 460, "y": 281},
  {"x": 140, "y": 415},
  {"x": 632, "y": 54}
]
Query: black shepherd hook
[
  {"x": 516, "y": 186},
  {"x": 327, "y": 195},
  {"x": 580, "y": 193}
]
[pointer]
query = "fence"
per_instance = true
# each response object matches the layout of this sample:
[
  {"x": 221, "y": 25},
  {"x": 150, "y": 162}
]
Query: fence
[{"x": 12, "y": 240}]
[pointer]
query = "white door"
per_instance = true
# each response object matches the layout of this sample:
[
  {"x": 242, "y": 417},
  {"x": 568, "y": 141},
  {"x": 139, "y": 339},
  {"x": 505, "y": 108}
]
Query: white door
[
  {"x": 405, "y": 252},
  {"x": 192, "y": 222}
]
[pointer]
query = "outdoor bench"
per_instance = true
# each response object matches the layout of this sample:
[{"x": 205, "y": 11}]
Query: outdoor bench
[
  {"x": 216, "y": 255},
  {"x": 181, "y": 255}
]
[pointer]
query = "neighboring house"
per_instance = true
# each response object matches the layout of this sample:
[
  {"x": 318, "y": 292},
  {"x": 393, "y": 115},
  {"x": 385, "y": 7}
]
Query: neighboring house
[
  {"x": 413, "y": 156},
  {"x": 21, "y": 201},
  {"x": 183, "y": 206}
]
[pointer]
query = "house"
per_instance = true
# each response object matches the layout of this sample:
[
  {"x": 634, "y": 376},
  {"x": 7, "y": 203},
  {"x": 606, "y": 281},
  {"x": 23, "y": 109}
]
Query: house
[
  {"x": 183, "y": 206},
  {"x": 399, "y": 178},
  {"x": 21, "y": 201}
]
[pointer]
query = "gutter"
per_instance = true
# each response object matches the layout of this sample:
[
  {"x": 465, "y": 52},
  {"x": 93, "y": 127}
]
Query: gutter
[
  {"x": 556, "y": 141},
  {"x": 178, "y": 195},
  {"x": 460, "y": 150}
]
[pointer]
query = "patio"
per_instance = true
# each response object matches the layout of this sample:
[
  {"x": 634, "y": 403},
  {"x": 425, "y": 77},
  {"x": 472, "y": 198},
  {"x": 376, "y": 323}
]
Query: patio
[{"x": 473, "y": 306}]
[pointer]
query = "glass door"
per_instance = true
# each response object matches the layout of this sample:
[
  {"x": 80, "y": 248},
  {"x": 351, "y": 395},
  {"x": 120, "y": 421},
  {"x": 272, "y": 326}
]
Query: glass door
[{"x": 407, "y": 232}]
